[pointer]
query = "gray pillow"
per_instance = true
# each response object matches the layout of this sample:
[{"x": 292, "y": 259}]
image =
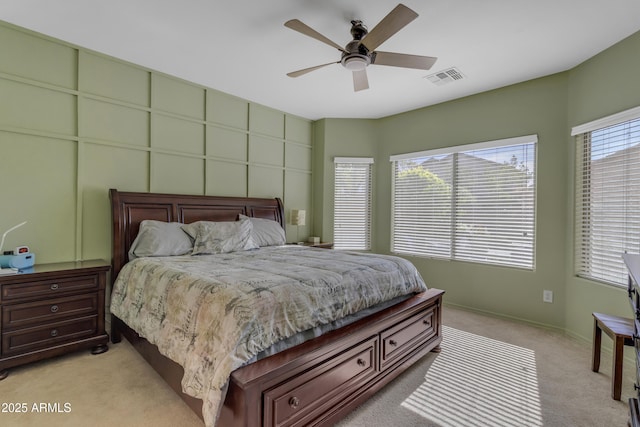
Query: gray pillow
[
  {"x": 266, "y": 232},
  {"x": 220, "y": 237},
  {"x": 158, "y": 238}
]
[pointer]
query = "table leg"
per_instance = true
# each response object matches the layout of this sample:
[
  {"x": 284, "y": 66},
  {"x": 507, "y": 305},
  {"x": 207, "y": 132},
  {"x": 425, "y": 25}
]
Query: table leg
[
  {"x": 597, "y": 338},
  {"x": 618, "y": 358}
]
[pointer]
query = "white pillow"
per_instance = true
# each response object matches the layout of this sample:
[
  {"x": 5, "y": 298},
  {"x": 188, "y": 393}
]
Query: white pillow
[
  {"x": 266, "y": 232},
  {"x": 220, "y": 237},
  {"x": 158, "y": 238}
]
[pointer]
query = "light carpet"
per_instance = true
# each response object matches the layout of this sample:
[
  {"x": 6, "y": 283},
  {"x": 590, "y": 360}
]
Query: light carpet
[{"x": 491, "y": 372}]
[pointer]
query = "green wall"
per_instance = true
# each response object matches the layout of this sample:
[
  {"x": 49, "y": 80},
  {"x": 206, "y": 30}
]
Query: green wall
[
  {"x": 74, "y": 123},
  {"x": 535, "y": 107},
  {"x": 605, "y": 84},
  {"x": 338, "y": 138},
  {"x": 548, "y": 107}
]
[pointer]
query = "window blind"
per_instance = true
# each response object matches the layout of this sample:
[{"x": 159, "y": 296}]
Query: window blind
[
  {"x": 607, "y": 198},
  {"x": 352, "y": 203},
  {"x": 422, "y": 206},
  {"x": 473, "y": 203}
]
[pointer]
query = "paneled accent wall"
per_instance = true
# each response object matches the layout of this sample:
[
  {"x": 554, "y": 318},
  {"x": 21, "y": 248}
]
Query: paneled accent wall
[{"x": 74, "y": 123}]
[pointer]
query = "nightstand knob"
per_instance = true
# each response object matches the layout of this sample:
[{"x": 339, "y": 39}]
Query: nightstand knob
[
  {"x": 361, "y": 362},
  {"x": 54, "y": 332},
  {"x": 393, "y": 343},
  {"x": 54, "y": 308},
  {"x": 427, "y": 322},
  {"x": 294, "y": 402},
  {"x": 54, "y": 286}
]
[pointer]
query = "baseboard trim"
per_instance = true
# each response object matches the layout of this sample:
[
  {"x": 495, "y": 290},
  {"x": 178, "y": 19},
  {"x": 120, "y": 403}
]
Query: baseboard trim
[
  {"x": 607, "y": 347},
  {"x": 505, "y": 316}
]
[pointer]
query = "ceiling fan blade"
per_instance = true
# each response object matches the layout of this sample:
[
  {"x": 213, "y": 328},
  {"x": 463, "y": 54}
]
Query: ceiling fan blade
[
  {"x": 403, "y": 60},
  {"x": 360, "y": 80},
  {"x": 303, "y": 28},
  {"x": 308, "y": 70},
  {"x": 396, "y": 20}
]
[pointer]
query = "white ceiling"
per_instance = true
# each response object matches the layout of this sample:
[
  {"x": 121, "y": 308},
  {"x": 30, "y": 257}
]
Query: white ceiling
[{"x": 241, "y": 47}]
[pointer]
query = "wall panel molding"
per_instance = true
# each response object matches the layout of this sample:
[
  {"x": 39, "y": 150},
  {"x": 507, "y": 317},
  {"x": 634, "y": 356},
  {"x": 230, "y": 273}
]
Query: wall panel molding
[{"x": 135, "y": 129}]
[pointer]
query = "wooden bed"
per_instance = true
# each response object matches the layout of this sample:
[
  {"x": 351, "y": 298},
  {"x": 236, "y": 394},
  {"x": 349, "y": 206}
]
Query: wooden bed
[{"x": 315, "y": 383}]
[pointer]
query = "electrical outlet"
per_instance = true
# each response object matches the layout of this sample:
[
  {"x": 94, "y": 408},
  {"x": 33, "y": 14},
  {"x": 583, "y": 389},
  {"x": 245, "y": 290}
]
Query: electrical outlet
[{"x": 547, "y": 296}]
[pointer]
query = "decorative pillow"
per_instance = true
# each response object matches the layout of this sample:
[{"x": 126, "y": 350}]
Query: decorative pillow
[
  {"x": 220, "y": 237},
  {"x": 266, "y": 232},
  {"x": 158, "y": 238}
]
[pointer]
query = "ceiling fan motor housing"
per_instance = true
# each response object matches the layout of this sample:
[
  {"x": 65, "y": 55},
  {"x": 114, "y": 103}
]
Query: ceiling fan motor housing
[{"x": 356, "y": 56}]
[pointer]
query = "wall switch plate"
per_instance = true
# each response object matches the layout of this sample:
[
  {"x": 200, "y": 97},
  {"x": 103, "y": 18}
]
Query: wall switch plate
[{"x": 547, "y": 296}]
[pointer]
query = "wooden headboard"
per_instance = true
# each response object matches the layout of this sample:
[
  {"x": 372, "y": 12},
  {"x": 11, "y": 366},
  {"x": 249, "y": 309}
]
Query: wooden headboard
[{"x": 128, "y": 210}]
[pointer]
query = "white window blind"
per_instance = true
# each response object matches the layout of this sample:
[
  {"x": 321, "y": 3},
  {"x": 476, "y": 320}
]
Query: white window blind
[
  {"x": 352, "y": 203},
  {"x": 422, "y": 206},
  {"x": 607, "y": 203},
  {"x": 473, "y": 203}
]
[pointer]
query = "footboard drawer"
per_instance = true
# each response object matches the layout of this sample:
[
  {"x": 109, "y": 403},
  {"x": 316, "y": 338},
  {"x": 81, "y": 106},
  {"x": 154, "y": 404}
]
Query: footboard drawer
[
  {"x": 407, "y": 335},
  {"x": 322, "y": 388}
]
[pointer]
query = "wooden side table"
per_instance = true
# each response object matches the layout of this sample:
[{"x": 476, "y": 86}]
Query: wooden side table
[
  {"x": 620, "y": 330},
  {"x": 52, "y": 309},
  {"x": 323, "y": 245}
]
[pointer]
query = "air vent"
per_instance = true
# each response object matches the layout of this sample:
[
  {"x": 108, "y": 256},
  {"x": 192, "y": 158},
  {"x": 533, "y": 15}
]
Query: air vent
[{"x": 445, "y": 76}]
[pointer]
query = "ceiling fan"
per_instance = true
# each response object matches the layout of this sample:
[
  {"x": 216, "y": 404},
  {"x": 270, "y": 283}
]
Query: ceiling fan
[{"x": 361, "y": 52}]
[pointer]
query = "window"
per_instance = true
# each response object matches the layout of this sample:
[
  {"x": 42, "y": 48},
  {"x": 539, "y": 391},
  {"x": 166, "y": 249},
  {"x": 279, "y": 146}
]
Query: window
[
  {"x": 352, "y": 203},
  {"x": 471, "y": 203},
  {"x": 607, "y": 199}
]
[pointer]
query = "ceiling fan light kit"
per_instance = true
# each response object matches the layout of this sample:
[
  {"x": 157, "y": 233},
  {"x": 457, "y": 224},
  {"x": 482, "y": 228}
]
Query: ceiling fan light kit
[
  {"x": 358, "y": 54},
  {"x": 355, "y": 62}
]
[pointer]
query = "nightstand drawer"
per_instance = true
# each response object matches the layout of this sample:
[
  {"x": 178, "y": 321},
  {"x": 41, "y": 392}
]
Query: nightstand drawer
[
  {"x": 34, "y": 338},
  {"x": 51, "y": 287},
  {"x": 20, "y": 315}
]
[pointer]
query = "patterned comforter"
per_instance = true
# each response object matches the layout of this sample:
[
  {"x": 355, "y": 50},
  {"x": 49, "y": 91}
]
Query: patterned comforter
[{"x": 212, "y": 313}]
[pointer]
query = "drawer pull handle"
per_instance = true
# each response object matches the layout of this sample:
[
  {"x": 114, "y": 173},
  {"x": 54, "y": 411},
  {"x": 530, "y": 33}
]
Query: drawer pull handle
[
  {"x": 54, "y": 286},
  {"x": 361, "y": 362},
  {"x": 54, "y": 308},
  {"x": 393, "y": 343},
  {"x": 427, "y": 322},
  {"x": 54, "y": 332},
  {"x": 294, "y": 402}
]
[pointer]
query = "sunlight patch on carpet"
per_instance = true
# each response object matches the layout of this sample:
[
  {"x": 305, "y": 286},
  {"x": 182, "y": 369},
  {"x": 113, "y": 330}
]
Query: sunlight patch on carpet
[{"x": 477, "y": 381}]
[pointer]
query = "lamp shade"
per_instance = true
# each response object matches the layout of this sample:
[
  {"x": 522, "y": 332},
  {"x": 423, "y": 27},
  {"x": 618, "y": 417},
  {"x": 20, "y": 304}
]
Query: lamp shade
[{"x": 298, "y": 217}]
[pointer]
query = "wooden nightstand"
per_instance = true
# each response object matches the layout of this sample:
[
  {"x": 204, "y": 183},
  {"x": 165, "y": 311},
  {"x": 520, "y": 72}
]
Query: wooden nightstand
[
  {"x": 52, "y": 309},
  {"x": 323, "y": 245}
]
